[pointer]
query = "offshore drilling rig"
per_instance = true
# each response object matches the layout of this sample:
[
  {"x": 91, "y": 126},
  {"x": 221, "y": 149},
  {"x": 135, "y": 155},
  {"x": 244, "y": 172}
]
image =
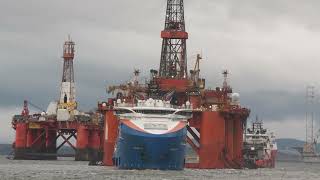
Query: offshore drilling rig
[
  {"x": 215, "y": 131},
  {"x": 310, "y": 150},
  {"x": 37, "y": 134}
]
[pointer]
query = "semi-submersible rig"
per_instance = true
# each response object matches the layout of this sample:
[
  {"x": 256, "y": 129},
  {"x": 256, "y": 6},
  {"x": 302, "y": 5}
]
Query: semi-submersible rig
[
  {"x": 37, "y": 134},
  {"x": 215, "y": 131}
]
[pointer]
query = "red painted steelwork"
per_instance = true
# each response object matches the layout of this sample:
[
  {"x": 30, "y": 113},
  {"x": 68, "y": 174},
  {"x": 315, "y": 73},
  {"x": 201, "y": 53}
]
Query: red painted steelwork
[
  {"x": 229, "y": 125},
  {"x": 30, "y": 137},
  {"x": 195, "y": 101},
  {"x": 40, "y": 140},
  {"x": 111, "y": 134},
  {"x": 21, "y": 135},
  {"x": 196, "y": 120},
  {"x": 25, "y": 111},
  {"x": 82, "y": 137},
  {"x": 174, "y": 35},
  {"x": 179, "y": 85},
  {"x": 94, "y": 139},
  {"x": 212, "y": 138},
  {"x": 238, "y": 142}
]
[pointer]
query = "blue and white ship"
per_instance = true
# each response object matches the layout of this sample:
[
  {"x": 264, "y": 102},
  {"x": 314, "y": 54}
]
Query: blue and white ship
[{"x": 152, "y": 135}]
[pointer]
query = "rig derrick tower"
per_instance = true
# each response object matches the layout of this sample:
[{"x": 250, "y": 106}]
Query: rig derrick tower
[
  {"x": 67, "y": 93},
  {"x": 309, "y": 146},
  {"x": 173, "y": 63}
]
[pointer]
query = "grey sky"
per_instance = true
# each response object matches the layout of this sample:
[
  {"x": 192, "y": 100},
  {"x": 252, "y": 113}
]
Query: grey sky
[{"x": 270, "y": 48}]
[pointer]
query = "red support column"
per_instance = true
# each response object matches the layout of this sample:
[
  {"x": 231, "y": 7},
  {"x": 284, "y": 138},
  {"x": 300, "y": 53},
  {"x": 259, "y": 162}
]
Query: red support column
[
  {"x": 229, "y": 139},
  {"x": 21, "y": 140},
  {"x": 94, "y": 142},
  {"x": 212, "y": 139},
  {"x": 94, "y": 145},
  {"x": 82, "y": 143},
  {"x": 238, "y": 142},
  {"x": 51, "y": 144},
  {"x": 110, "y": 134},
  {"x": 21, "y": 135},
  {"x": 30, "y": 138}
]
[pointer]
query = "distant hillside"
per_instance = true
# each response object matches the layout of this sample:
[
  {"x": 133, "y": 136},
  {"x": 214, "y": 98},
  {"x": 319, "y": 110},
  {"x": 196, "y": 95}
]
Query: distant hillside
[
  {"x": 288, "y": 143},
  {"x": 288, "y": 149},
  {"x": 5, "y": 149}
]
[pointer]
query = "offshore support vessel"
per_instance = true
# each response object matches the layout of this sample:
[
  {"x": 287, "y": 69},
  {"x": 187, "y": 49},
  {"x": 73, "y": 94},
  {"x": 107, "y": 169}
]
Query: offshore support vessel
[
  {"x": 152, "y": 135},
  {"x": 260, "y": 147}
]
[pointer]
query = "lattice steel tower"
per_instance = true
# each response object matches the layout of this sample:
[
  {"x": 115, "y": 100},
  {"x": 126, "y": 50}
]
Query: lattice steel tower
[
  {"x": 309, "y": 147},
  {"x": 67, "y": 94},
  {"x": 173, "y": 63}
]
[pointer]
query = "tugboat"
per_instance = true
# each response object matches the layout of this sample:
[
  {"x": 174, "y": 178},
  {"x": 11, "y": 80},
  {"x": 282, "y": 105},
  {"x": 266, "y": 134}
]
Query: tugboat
[
  {"x": 152, "y": 134},
  {"x": 260, "y": 147}
]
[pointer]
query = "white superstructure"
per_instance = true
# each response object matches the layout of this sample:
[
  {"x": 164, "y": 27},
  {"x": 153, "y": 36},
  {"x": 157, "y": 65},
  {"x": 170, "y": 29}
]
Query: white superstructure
[{"x": 153, "y": 116}]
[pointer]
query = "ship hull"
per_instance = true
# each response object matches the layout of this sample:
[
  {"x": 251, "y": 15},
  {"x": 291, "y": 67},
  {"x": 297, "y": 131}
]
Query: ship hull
[
  {"x": 268, "y": 162},
  {"x": 142, "y": 150}
]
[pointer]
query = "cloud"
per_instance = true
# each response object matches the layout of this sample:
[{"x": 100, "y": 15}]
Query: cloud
[
  {"x": 287, "y": 128},
  {"x": 270, "y": 48},
  {"x": 7, "y": 134}
]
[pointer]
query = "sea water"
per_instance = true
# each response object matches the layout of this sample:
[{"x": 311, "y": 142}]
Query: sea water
[{"x": 68, "y": 169}]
